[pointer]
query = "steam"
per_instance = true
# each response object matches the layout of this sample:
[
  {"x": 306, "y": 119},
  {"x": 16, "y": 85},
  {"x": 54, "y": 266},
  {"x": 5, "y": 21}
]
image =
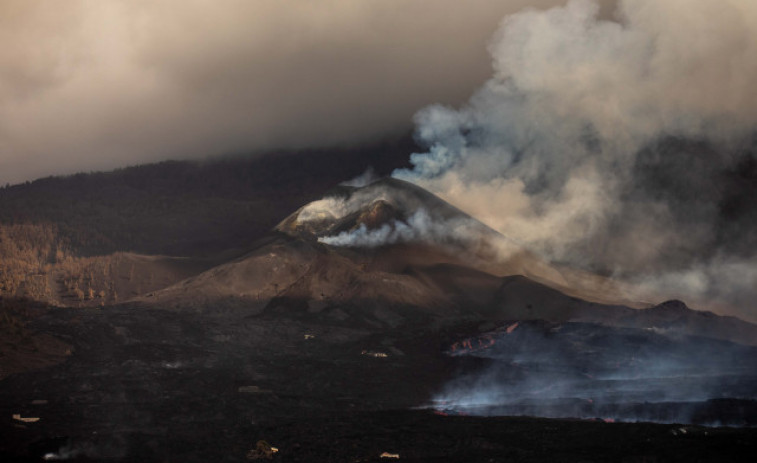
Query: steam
[
  {"x": 609, "y": 144},
  {"x": 87, "y": 450},
  {"x": 589, "y": 371},
  {"x": 415, "y": 221},
  {"x": 333, "y": 208},
  {"x": 419, "y": 227},
  {"x": 364, "y": 179}
]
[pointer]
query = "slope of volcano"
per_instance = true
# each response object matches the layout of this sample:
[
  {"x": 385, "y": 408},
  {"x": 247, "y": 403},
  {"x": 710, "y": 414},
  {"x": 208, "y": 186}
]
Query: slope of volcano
[
  {"x": 391, "y": 250},
  {"x": 346, "y": 316}
]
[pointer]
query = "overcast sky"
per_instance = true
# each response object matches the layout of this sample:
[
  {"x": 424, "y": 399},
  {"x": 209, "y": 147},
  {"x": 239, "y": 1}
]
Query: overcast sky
[{"x": 91, "y": 84}]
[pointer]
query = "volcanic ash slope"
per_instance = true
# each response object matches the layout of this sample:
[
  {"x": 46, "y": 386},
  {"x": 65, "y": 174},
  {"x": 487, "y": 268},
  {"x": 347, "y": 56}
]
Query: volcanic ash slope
[{"x": 391, "y": 250}]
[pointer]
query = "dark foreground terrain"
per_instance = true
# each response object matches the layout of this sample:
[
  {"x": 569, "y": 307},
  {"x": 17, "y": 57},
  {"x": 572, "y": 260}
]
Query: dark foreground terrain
[
  {"x": 327, "y": 347},
  {"x": 143, "y": 384}
]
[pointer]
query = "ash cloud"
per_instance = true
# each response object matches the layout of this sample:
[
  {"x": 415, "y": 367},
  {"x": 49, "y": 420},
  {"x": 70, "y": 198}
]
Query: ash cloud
[
  {"x": 619, "y": 145},
  {"x": 90, "y": 85}
]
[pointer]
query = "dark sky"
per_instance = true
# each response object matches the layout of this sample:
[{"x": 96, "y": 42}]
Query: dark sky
[{"x": 90, "y": 85}]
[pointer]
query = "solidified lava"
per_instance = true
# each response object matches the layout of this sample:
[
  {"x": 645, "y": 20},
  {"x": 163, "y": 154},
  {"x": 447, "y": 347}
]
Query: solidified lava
[{"x": 327, "y": 353}]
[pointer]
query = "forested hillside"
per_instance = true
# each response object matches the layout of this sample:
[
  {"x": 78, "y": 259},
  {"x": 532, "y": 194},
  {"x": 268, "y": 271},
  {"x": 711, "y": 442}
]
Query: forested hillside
[{"x": 36, "y": 263}]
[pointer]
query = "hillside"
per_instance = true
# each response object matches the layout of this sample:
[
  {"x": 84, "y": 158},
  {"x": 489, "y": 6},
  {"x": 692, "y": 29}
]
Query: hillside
[
  {"x": 189, "y": 208},
  {"x": 360, "y": 307},
  {"x": 363, "y": 254},
  {"x": 100, "y": 238}
]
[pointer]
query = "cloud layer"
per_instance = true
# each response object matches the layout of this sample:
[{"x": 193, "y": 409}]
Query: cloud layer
[{"x": 87, "y": 85}]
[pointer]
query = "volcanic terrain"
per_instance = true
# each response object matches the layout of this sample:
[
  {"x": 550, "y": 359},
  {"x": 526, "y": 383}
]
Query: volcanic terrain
[{"x": 379, "y": 319}]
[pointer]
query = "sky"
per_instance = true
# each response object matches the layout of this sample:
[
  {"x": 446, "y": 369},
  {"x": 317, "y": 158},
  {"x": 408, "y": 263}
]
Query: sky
[{"x": 91, "y": 85}]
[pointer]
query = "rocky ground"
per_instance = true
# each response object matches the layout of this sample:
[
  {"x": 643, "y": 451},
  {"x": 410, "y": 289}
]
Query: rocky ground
[{"x": 144, "y": 384}]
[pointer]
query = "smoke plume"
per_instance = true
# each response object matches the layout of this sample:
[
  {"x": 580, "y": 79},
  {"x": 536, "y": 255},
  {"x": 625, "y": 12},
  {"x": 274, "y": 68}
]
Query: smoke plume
[
  {"x": 419, "y": 227},
  {"x": 405, "y": 217},
  {"x": 625, "y": 146}
]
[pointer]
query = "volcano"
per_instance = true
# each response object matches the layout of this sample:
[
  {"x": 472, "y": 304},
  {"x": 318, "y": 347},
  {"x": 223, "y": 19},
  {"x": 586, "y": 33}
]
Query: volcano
[
  {"x": 392, "y": 247},
  {"x": 379, "y": 319},
  {"x": 392, "y": 256}
]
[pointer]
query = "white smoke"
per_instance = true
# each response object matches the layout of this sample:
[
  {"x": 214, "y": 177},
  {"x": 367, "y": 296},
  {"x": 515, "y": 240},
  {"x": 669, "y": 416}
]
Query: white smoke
[
  {"x": 419, "y": 227},
  {"x": 560, "y": 148},
  {"x": 336, "y": 207},
  {"x": 415, "y": 219},
  {"x": 582, "y": 370},
  {"x": 719, "y": 284},
  {"x": 364, "y": 179}
]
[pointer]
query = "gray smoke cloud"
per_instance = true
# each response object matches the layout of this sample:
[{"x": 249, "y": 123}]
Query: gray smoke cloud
[
  {"x": 90, "y": 85},
  {"x": 609, "y": 143}
]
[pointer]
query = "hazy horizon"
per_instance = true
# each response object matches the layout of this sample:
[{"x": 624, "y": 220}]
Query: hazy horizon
[{"x": 88, "y": 86}]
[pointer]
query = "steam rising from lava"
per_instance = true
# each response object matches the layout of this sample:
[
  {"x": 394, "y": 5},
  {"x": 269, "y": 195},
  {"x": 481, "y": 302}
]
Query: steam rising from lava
[
  {"x": 608, "y": 144},
  {"x": 588, "y": 371}
]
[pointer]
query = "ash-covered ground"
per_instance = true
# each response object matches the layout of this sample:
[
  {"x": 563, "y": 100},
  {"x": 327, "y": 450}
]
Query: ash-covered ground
[
  {"x": 331, "y": 347},
  {"x": 152, "y": 385}
]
